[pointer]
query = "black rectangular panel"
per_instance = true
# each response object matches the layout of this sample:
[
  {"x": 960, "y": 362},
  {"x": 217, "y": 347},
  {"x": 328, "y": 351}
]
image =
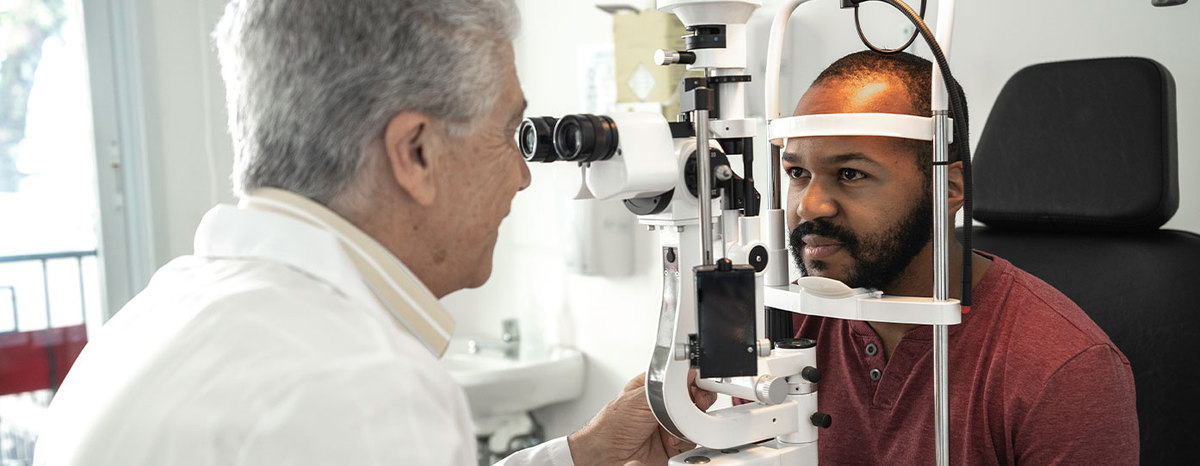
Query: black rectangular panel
[{"x": 725, "y": 321}]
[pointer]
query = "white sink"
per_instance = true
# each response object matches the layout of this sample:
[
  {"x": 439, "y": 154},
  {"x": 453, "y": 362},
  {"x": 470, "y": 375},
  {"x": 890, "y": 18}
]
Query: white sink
[{"x": 497, "y": 386}]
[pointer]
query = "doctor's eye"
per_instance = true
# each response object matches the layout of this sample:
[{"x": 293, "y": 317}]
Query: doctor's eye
[{"x": 850, "y": 174}]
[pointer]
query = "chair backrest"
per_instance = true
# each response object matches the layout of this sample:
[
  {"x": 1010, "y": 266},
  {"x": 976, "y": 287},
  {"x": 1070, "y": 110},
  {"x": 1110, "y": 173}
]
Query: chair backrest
[{"x": 1074, "y": 175}]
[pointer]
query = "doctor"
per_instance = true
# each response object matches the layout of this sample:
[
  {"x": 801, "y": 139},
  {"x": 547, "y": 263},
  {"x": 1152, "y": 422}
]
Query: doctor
[{"x": 374, "y": 160}]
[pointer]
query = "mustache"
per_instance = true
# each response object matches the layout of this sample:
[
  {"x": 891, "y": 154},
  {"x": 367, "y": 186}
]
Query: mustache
[{"x": 822, "y": 227}]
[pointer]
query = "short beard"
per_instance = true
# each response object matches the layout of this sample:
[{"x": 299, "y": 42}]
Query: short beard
[{"x": 879, "y": 260}]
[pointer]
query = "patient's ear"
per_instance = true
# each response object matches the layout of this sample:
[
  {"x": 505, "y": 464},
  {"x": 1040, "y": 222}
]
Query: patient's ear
[
  {"x": 413, "y": 147},
  {"x": 954, "y": 187}
]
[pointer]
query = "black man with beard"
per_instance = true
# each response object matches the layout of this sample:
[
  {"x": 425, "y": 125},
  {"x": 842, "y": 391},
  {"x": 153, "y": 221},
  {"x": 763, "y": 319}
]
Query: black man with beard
[{"x": 1032, "y": 379}]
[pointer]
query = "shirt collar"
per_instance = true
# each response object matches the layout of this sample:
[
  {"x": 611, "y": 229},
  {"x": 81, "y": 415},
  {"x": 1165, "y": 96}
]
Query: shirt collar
[{"x": 408, "y": 301}]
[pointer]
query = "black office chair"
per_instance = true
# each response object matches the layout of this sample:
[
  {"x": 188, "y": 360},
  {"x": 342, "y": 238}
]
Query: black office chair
[{"x": 1074, "y": 173}]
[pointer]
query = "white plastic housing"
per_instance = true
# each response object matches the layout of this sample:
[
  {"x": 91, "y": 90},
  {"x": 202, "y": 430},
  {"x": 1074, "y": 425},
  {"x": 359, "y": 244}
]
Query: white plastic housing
[
  {"x": 644, "y": 164},
  {"x": 697, "y": 12},
  {"x": 817, "y": 296},
  {"x": 807, "y": 432},
  {"x": 852, "y": 124},
  {"x": 684, "y": 207},
  {"x": 571, "y": 181},
  {"x": 733, "y": 14}
]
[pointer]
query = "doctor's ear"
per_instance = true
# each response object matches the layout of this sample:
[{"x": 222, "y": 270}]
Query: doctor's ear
[{"x": 413, "y": 147}]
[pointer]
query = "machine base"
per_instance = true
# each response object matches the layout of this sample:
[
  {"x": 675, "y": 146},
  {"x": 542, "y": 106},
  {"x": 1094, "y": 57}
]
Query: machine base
[{"x": 771, "y": 453}]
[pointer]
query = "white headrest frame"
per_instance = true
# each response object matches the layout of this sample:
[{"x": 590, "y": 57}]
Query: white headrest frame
[{"x": 853, "y": 124}]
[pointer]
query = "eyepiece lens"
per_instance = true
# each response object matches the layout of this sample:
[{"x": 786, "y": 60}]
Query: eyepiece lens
[
  {"x": 534, "y": 138},
  {"x": 574, "y": 138},
  {"x": 528, "y": 139},
  {"x": 585, "y": 138}
]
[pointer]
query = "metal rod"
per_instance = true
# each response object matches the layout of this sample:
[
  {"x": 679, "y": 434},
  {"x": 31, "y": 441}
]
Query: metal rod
[
  {"x": 704, "y": 192},
  {"x": 941, "y": 395},
  {"x": 752, "y": 208},
  {"x": 774, "y": 192},
  {"x": 53, "y": 255},
  {"x": 46, "y": 290},
  {"x": 53, "y": 366},
  {"x": 941, "y": 283},
  {"x": 82, "y": 296},
  {"x": 724, "y": 239},
  {"x": 13, "y": 293},
  {"x": 941, "y": 279}
]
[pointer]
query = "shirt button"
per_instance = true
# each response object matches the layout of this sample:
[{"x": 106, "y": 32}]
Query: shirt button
[
  {"x": 872, "y": 349},
  {"x": 875, "y": 375}
]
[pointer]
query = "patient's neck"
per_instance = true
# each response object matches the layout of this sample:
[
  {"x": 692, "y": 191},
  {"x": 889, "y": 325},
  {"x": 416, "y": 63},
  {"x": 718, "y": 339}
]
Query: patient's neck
[{"x": 917, "y": 280}]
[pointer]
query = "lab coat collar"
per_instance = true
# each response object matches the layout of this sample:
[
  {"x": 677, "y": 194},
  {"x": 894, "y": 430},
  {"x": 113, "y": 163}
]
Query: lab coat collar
[{"x": 309, "y": 236}]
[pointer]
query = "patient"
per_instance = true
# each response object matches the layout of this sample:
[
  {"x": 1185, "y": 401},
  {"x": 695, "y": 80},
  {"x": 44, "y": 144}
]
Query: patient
[{"x": 1032, "y": 379}]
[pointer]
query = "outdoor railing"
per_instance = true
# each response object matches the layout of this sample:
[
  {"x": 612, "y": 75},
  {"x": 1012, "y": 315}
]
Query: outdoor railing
[
  {"x": 34, "y": 361},
  {"x": 58, "y": 346}
]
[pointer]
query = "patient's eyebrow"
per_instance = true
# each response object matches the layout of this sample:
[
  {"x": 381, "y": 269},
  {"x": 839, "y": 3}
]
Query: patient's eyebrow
[
  {"x": 793, "y": 157},
  {"x": 852, "y": 157}
]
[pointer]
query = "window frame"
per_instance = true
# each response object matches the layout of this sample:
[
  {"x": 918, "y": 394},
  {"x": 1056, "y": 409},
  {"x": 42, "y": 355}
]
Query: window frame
[{"x": 127, "y": 243}]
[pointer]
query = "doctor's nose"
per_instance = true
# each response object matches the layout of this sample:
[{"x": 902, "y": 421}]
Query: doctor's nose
[{"x": 526, "y": 176}]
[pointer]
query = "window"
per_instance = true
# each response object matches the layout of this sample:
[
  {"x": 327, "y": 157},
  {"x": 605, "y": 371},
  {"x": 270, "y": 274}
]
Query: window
[{"x": 49, "y": 211}]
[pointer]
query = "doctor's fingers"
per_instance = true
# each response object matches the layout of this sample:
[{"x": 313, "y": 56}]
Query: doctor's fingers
[
  {"x": 703, "y": 398},
  {"x": 637, "y": 382}
]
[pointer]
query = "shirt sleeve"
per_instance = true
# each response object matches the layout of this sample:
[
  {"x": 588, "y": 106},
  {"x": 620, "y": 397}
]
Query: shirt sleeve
[
  {"x": 552, "y": 453},
  {"x": 1085, "y": 414}
]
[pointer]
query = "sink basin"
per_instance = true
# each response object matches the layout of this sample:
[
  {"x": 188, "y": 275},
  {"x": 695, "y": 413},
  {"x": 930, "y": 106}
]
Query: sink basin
[{"x": 497, "y": 386}]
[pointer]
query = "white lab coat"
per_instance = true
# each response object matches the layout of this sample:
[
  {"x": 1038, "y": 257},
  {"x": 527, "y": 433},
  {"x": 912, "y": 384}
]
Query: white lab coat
[{"x": 264, "y": 347}]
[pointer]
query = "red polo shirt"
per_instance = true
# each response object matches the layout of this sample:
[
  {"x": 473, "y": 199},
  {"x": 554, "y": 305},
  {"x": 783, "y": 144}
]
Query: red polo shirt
[{"x": 1032, "y": 381}]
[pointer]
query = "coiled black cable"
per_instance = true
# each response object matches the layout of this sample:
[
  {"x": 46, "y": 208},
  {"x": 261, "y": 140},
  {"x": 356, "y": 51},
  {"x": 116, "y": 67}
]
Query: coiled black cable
[
  {"x": 958, "y": 111},
  {"x": 863, "y": 37}
]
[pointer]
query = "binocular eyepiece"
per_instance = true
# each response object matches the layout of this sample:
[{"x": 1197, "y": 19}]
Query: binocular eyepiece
[{"x": 573, "y": 138}]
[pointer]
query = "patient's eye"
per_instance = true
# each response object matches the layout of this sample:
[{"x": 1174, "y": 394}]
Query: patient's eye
[
  {"x": 850, "y": 174},
  {"x": 797, "y": 173}
]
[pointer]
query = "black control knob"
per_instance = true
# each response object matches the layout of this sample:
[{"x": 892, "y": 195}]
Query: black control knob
[
  {"x": 758, "y": 258},
  {"x": 821, "y": 420},
  {"x": 811, "y": 374},
  {"x": 795, "y": 343},
  {"x": 724, "y": 264},
  {"x": 673, "y": 57}
]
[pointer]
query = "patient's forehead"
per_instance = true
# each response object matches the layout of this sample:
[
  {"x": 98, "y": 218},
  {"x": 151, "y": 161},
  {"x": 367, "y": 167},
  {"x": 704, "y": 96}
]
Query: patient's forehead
[{"x": 873, "y": 94}]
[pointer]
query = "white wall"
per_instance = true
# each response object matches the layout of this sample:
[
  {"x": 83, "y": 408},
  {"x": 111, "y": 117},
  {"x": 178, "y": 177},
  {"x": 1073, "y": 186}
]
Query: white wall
[
  {"x": 613, "y": 320},
  {"x": 190, "y": 151}
]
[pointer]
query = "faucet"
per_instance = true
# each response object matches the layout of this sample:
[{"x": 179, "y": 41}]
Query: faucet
[{"x": 509, "y": 342}]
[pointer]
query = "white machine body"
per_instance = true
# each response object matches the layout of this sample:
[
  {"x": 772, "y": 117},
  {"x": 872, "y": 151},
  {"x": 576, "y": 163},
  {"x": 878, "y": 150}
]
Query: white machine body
[
  {"x": 780, "y": 424},
  {"x": 643, "y": 165}
]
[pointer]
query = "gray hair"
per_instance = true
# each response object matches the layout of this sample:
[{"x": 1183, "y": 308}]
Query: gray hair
[{"x": 311, "y": 83}]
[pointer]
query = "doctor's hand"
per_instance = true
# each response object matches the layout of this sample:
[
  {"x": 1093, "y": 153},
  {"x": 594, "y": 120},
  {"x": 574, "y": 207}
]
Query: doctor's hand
[{"x": 625, "y": 431}]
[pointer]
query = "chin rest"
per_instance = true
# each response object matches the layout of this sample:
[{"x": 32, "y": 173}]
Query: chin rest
[{"x": 1074, "y": 175}]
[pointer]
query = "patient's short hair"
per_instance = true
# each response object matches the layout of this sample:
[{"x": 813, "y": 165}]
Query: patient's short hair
[{"x": 913, "y": 71}]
